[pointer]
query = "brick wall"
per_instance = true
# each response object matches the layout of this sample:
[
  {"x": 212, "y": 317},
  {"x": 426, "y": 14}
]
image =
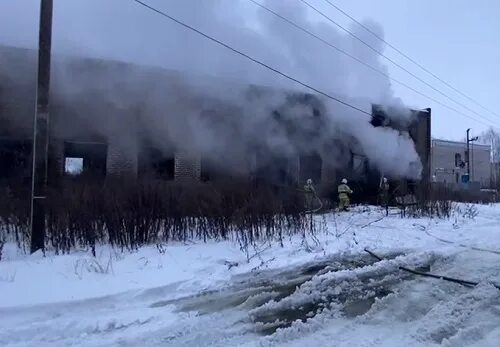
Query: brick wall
[
  {"x": 187, "y": 166},
  {"x": 122, "y": 158}
]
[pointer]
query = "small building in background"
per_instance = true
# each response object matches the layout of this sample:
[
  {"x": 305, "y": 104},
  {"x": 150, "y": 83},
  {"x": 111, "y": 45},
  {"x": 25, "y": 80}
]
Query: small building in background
[
  {"x": 495, "y": 175},
  {"x": 449, "y": 164}
]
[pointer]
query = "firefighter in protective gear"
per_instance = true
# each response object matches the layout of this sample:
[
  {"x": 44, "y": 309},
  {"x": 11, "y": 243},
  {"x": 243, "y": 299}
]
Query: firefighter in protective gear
[
  {"x": 309, "y": 193},
  {"x": 344, "y": 191}
]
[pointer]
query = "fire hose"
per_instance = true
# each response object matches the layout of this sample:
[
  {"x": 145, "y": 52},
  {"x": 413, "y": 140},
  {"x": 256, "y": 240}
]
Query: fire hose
[
  {"x": 317, "y": 209},
  {"x": 319, "y": 201},
  {"x": 426, "y": 274}
]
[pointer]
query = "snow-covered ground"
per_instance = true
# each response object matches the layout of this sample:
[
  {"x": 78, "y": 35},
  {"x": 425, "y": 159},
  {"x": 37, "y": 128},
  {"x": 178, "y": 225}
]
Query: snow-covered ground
[{"x": 322, "y": 291}]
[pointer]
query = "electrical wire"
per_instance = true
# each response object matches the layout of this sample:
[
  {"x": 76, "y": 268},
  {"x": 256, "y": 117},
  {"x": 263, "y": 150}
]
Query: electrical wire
[
  {"x": 297, "y": 26},
  {"x": 247, "y": 56},
  {"x": 423, "y": 68},
  {"x": 391, "y": 60}
]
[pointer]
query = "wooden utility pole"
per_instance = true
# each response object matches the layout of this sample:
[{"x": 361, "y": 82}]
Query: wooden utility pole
[
  {"x": 469, "y": 154},
  {"x": 41, "y": 130}
]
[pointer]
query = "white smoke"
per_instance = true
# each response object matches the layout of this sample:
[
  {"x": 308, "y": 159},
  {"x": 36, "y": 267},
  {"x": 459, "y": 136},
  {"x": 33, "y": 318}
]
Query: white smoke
[{"x": 123, "y": 31}]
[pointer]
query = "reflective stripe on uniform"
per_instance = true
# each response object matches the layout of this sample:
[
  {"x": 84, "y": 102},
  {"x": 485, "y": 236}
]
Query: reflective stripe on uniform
[{"x": 343, "y": 188}]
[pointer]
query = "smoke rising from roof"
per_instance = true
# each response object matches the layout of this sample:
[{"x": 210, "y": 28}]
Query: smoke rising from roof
[{"x": 211, "y": 113}]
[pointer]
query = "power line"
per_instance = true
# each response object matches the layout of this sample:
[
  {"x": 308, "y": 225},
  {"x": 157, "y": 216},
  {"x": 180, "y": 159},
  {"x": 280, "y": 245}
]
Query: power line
[
  {"x": 390, "y": 60},
  {"x": 199, "y": 32},
  {"x": 364, "y": 63},
  {"x": 409, "y": 58},
  {"x": 288, "y": 76}
]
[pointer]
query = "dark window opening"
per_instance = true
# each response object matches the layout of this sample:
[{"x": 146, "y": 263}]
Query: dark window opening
[
  {"x": 156, "y": 163},
  {"x": 85, "y": 158},
  {"x": 211, "y": 172},
  {"x": 15, "y": 159},
  {"x": 310, "y": 167},
  {"x": 458, "y": 160},
  {"x": 379, "y": 118},
  {"x": 206, "y": 171},
  {"x": 359, "y": 165},
  {"x": 273, "y": 170}
]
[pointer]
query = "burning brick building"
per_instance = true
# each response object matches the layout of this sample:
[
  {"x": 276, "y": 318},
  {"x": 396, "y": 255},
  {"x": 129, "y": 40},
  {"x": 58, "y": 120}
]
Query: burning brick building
[{"x": 119, "y": 138}]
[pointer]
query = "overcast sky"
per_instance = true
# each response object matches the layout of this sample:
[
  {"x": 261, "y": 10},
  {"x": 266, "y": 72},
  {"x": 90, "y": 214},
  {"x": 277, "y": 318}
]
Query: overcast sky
[{"x": 457, "y": 40}]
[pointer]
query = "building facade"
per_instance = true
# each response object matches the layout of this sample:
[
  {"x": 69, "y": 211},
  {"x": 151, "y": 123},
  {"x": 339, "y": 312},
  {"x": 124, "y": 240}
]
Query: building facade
[
  {"x": 110, "y": 117},
  {"x": 450, "y": 164}
]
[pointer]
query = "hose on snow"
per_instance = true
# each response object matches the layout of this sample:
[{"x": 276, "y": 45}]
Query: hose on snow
[
  {"x": 319, "y": 201},
  {"x": 317, "y": 209},
  {"x": 426, "y": 274}
]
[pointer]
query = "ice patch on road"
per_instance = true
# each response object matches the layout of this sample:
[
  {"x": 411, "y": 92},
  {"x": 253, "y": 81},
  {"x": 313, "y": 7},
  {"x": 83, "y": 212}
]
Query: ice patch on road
[{"x": 274, "y": 301}]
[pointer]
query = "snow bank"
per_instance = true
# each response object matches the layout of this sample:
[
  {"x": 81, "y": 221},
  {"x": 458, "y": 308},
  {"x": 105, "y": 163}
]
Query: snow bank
[{"x": 120, "y": 298}]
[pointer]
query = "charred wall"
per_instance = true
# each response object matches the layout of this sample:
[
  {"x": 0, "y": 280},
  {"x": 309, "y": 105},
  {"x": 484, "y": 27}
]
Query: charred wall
[
  {"x": 418, "y": 126},
  {"x": 119, "y": 129}
]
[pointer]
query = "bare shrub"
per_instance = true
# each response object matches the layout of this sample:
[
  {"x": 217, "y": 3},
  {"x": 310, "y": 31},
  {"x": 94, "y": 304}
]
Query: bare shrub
[
  {"x": 14, "y": 211},
  {"x": 468, "y": 211},
  {"x": 128, "y": 213},
  {"x": 441, "y": 202},
  {"x": 93, "y": 266}
]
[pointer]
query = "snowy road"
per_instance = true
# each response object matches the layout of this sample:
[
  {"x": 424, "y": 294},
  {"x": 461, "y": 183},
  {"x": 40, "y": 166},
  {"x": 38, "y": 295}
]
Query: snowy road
[{"x": 310, "y": 297}]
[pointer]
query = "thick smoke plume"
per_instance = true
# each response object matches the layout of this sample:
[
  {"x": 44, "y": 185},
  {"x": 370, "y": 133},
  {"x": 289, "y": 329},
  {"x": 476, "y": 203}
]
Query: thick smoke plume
[{"x": 219, "y": 102}]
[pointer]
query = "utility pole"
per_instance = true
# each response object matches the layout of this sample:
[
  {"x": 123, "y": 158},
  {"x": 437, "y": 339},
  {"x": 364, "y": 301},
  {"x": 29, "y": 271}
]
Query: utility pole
[
  {"x": 468, "y": 153},
  {"x": 469, "y": 140},
  {"x": 41, "y": 130}
]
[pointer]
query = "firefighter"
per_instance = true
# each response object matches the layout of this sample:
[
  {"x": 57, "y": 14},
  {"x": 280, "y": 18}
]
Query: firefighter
[
  {"x": 344, "y": 191},
  {"x": 309, "y": 193},
  {"x": 384, "y": 194}
]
